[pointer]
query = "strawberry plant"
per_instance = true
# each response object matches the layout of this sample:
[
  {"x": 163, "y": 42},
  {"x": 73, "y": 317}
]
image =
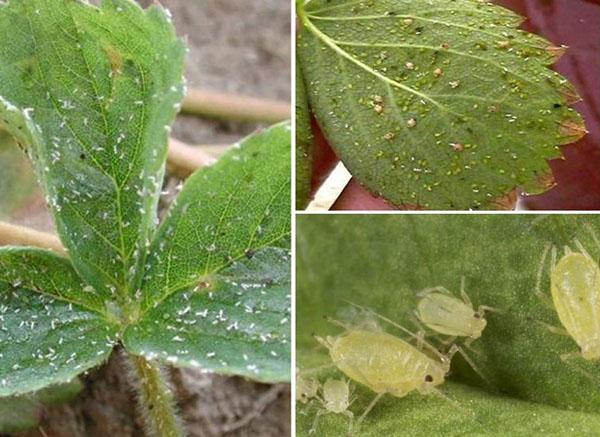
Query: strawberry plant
[
  {"x": 90, "y": 93},
  {"x": 439, "y": 104}
]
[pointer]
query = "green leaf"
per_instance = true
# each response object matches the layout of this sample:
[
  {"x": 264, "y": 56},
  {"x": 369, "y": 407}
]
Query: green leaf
[
  {"x": 304, "y": 144},
  {"x": 17, "y": 183},
  {"x": 239, "y": 323},
  {"x": 92, "y": 92},
  {"x": 383, "y": 261},
  {"x": 225, "y": 213},
  {"x": 52, "y": 326},
  {"x": 444, "y": 103},
  {"x": 481, "y": 415},
  {"x": 20, "y": 413}
]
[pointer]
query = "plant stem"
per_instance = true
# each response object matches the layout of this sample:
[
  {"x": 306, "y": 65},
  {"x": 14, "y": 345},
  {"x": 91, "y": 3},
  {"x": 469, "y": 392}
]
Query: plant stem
[
  {"x": 156, "y": 399},
  {"x": 232, "y": 107},
  {"x": 19, "y": 236},
  {"x": 183, "y": 159}
]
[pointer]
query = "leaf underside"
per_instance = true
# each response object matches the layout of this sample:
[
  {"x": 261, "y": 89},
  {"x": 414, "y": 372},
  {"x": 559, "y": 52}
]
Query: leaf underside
[
  {"x": 438, "y": 103},
  {"x": 52, "y": 327},
  {"x": 91, "y": 92},
  {"x": 387, "y": 260}
]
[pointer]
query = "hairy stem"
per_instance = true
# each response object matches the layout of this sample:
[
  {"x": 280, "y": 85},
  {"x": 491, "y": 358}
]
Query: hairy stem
[{"x": 155, "y": 399}]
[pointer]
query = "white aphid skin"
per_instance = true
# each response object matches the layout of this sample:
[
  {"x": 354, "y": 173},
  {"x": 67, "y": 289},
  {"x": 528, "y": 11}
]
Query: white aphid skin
[
  {"x": 335, "y": 399},
  {"x": 575, "y": 296},
  {"x": 385, "y": 363}
]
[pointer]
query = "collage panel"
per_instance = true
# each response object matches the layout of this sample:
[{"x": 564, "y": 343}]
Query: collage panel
[
  {"x": 145, "y": 218},
  {"x": 447, "y": 105},
  {"x": 447, "y": 325}
]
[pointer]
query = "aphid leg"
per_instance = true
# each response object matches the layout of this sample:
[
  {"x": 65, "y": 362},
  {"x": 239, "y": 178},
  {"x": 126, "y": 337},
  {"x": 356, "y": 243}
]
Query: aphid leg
[
  {"x": 369, "y": 408},
  {"x": 318, "y": 414},
  {"x": 350, "y": 417},
  {"x": 451, "y": 401},
  {"x": 455, "y": 348},
  {"x": 543, "y": 297},
  {"x": 567, "y": 359},
  {"x": 421, "y": 333},
  {"x": 448, "y": 341},
  {"x": 467, "y": 343},
  {"x": 554, "y": 329}
]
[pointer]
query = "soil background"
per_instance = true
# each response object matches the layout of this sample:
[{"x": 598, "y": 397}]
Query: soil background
[{"x": 236, "y": 46}]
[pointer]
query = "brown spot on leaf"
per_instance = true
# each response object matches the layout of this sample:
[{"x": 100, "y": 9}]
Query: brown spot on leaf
[{"x": 115, "y": 59}]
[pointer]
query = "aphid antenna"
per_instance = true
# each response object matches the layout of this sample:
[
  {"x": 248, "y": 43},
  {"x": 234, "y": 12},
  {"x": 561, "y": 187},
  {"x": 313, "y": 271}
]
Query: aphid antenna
[
  {"x": 314, "y": 370},
  {"x": 543, "y": 297},
  {"x": 463, "y": 293},
  {"x": 580, "y": 247},
  {"x": 441, "y": 356},
  {"x": 438, "y": 289},
  {"x": 488, "y": 309},
  {"x": 322, "y": 341},
  {"x": 337, "y": 322}
]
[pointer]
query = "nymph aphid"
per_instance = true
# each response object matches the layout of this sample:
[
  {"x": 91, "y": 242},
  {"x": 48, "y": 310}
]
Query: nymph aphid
[
  {"x": 336, "y": 398},
  {"x": 444, "y": 313},
  {"x": 306, "y": 388},
  {"x": 575, "y": 296},
  {"x": 385, "y": 363}
]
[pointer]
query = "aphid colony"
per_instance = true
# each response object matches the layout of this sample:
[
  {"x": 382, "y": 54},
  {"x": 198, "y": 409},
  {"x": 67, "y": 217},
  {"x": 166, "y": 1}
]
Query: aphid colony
[{"x": 387, "y": 363}]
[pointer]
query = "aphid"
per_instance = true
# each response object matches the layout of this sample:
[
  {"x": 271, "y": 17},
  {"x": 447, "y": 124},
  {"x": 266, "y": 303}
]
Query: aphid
[
  {"x": 446, "y": 314},
  {"x": 575, "y": 296},
  {"x": 335, "y": 400},
  {"x": 306, "y": 388},
  {"x": 386, "y": 363}
]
